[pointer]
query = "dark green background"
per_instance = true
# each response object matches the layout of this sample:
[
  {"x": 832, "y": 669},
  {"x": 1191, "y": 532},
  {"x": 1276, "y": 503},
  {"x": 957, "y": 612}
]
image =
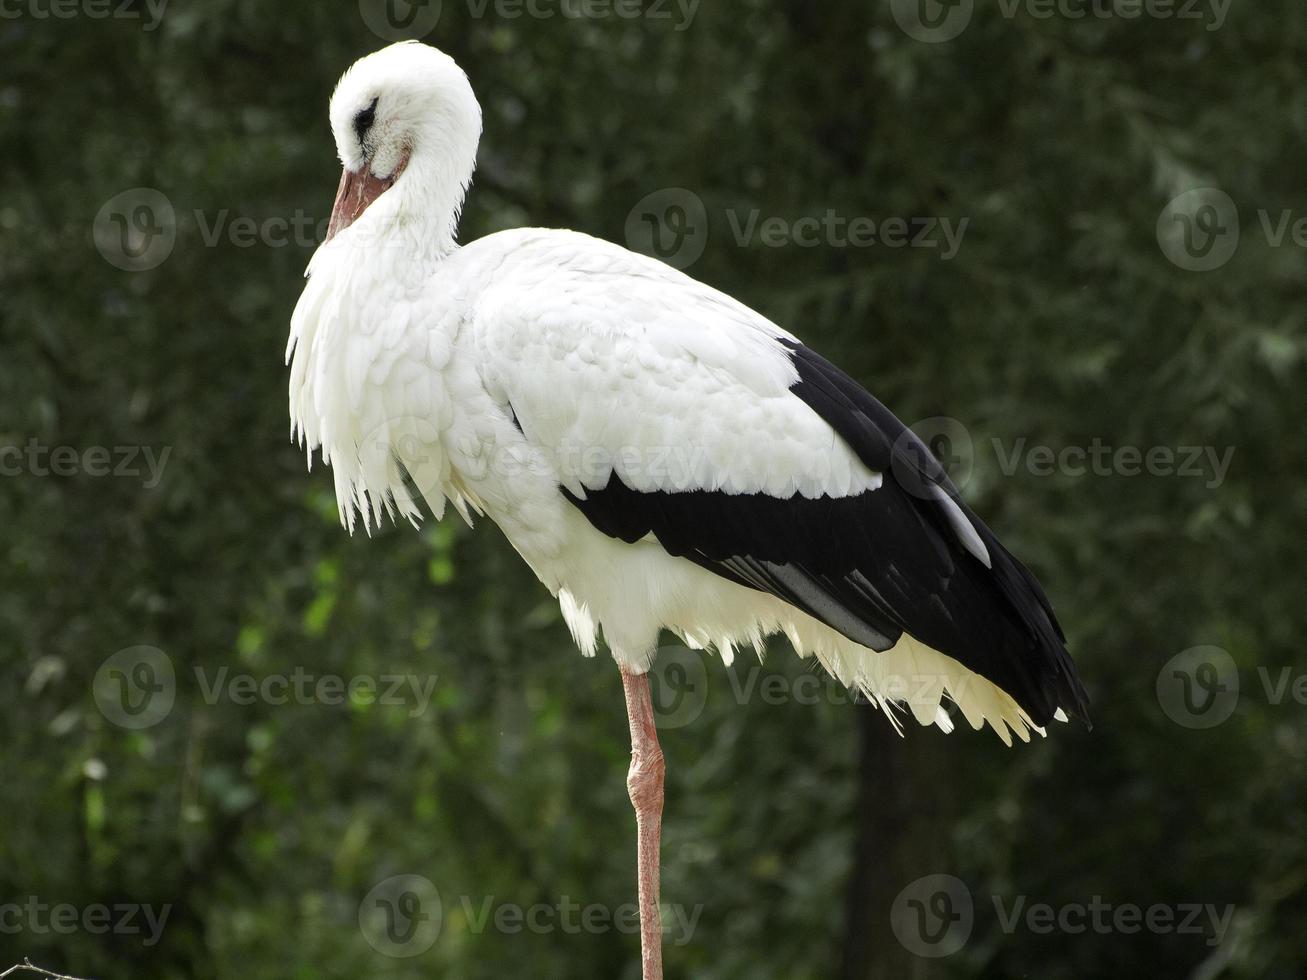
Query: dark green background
[{"x": 1061, "y": 321}]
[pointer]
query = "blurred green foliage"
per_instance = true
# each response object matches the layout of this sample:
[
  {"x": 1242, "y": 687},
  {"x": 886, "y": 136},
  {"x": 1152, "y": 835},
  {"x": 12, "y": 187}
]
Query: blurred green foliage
[{"x": 1060, "y": 321}]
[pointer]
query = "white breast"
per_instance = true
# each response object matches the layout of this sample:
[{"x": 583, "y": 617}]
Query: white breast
[{"x": 369, "y": 354}]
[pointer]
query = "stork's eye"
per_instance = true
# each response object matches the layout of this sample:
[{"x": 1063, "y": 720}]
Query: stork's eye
[{"x": 364, "y": 120}]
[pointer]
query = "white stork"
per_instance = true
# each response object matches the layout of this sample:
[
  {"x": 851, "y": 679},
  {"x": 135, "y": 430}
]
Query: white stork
[{"x": 662, "y": 456}]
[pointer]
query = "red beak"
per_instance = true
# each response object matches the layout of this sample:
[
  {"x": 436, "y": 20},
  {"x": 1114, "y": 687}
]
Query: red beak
[{"x": 355, "y": 195}]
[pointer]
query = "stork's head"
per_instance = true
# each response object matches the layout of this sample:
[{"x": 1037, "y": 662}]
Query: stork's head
[{"x": 406, "y": 109}]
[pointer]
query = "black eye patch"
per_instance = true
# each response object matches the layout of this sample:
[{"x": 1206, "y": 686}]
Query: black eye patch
[{"x": 364, "y": 120}]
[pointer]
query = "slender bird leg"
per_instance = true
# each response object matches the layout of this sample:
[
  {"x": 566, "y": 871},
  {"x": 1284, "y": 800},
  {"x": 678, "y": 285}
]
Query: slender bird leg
[{"x": 644, "y": 781}]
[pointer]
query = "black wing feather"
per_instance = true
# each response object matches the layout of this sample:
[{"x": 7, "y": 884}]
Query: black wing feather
[{"x": 871, "y": 566}]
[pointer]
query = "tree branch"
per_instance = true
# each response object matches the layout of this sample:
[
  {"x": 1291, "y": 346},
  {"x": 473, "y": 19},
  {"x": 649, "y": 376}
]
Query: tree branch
[{"x": 27, "y": 965}]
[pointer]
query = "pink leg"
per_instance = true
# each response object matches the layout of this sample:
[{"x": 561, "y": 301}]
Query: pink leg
[{"x": 644, "y": 781}]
